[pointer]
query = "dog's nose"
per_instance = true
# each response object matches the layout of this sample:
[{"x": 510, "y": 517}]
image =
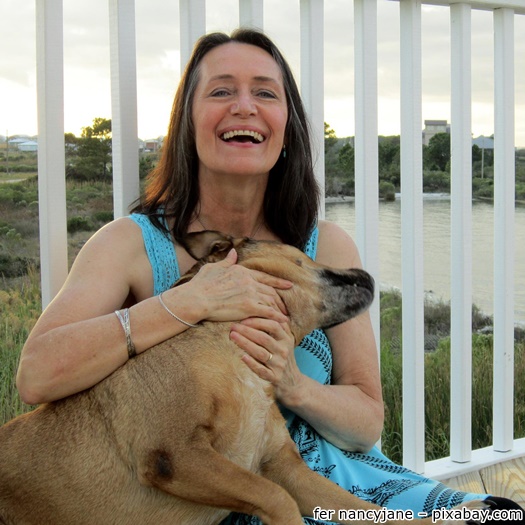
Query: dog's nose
[{"x": 354, "y": 277}]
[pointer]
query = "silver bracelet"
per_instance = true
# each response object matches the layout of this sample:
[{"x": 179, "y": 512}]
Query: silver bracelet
[
  {"x": 123, "y": 317},
  {"x": 173, "y": 315}
]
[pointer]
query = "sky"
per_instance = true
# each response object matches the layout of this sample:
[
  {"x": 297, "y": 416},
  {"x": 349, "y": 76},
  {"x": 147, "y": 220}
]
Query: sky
[{"x": 87, "y": 68}]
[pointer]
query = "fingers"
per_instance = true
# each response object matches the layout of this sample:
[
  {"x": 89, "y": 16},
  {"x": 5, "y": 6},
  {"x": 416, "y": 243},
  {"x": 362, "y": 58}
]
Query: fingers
[
  {"x": 232, "y": 292},
  {"x": 267, "y": 285},
  {"x": 269, "y": 351},
  {"x": 266, "y": 341},
  {"x": 269, "y": 297},
  {"x": 271, "y": 280},
  {"x": 230, "y": 259},
  {"x": 226, "y": 291}
]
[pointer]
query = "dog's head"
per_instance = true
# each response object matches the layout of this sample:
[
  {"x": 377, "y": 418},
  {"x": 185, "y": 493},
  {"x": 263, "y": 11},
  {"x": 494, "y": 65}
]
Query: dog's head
[{"x": 321, "y": 297}]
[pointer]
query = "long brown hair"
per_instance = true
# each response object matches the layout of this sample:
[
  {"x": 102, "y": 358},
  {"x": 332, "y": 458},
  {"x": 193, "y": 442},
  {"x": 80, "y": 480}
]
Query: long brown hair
[{"x": 292, "y": 195}]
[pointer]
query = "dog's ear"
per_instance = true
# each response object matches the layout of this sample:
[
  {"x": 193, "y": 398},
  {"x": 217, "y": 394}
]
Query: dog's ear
[
  {"x": 209, "y": 246},
  {"x": 206, "y": 247}
]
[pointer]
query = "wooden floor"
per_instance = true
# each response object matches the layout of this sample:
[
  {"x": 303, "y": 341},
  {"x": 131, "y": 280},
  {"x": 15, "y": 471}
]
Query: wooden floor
[{"x": 504, "y": 479}]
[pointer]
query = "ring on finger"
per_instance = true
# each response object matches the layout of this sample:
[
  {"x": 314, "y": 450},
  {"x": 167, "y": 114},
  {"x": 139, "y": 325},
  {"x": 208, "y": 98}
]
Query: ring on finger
[{"x": 270, "y": 356}]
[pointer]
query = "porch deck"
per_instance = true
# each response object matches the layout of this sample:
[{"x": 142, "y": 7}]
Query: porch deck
[{"x": 503, "y": 479}]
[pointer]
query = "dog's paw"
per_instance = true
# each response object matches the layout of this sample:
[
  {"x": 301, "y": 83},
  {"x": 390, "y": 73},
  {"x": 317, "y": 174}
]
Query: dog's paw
[
  {"x": 504, "y": 510},
  {"x": 481, "y": 512}
]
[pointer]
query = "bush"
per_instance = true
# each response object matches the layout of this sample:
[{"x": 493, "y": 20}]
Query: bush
[
  {"x": 16, "y": 192},
  {"x": 387, "y": 191},
  {"x": 103, "y": 216},
  {"x": 79, "y": 224},
  {"x": 23, "y": 168},
  {"x": 483, "y": 188},
  {"x": 14, "y": 266},
  {"x": 436, "y": 182},
  {"x": 520, "y": 191}
]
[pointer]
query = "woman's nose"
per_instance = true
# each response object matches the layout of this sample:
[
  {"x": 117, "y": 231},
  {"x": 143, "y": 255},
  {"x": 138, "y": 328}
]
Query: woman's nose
[{"x": 244, "y": 105}]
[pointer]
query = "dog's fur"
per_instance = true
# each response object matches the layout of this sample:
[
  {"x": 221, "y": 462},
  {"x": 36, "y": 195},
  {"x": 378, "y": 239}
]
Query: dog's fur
[{"x": 184, "y": 430}]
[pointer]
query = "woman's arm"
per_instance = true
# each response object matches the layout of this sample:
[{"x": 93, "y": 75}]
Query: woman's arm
[
  {"x": 349, "y": 412},
  {"x": 78, "y": 340}
]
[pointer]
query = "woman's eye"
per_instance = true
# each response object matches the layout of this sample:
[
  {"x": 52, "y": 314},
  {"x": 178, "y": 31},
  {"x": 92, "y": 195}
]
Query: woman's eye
[
  {"x": 266, "y": 94},
  {"x": 220, "y": 93}
]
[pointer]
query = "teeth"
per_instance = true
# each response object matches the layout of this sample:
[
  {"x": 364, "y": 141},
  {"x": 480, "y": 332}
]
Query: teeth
[{"x": 242, "y": 132}]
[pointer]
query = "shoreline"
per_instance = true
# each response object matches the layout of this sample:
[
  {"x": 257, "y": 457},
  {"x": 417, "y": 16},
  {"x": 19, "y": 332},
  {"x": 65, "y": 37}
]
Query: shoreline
[{"x": 425, "y": 196}]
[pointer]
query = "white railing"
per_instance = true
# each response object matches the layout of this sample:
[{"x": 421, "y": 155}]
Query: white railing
[{"x": 126, "y": 187}]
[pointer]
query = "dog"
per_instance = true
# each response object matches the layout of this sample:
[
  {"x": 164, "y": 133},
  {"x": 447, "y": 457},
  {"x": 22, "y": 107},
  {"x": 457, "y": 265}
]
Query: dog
[{"x": 185, "y": 432}]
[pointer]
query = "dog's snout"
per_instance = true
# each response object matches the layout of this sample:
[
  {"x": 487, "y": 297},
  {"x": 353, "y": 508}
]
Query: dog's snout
[
  {"x": 356, "y": 278},
  {"x": 347, "y": 293}
]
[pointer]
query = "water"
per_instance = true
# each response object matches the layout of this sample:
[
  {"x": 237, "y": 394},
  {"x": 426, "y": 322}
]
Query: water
[{"x": 436, "y": 227}]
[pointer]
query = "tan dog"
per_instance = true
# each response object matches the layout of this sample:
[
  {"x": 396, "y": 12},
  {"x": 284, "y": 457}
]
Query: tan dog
[{"x": 185, "y": 430}]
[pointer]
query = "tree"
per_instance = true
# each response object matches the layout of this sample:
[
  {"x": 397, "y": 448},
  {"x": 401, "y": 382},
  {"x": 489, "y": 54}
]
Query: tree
[
  {"x": 436, "y": 156},
  {"x": 346, "y": 163},
  {"x": 93, "y": 152},
  {"x": 333, "y": 184},
  {"x": 346, "y": 160},
  {"x": 330, "y": 138},
  {"x": 70, "y": 140},
  {"x": 389, "y": 156}
]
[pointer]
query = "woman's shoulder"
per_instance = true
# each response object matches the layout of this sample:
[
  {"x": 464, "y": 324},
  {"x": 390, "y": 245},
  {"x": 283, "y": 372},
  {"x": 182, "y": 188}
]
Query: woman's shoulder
[
  {"x": 109, "y": 266},
  {"x": 120, "y": 232},
  {"x": 116, "y": 245},
  {"x": 335, "y": 247}
]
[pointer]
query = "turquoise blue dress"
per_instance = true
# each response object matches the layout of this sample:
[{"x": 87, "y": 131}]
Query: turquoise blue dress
[{"x": 372, "y": 476}]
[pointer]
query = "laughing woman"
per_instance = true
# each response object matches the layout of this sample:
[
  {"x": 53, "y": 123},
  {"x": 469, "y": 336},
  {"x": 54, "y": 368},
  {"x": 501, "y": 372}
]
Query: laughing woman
[{"x": 237, "y": 159}]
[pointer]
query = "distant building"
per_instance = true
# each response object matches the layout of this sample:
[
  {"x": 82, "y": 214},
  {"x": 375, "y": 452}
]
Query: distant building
[
  {"x": 483, "y": 142},
  {"x": 152, "y": 145},
  {"x": 30, "y": 145},
  {"x": 17, "y": 141},
  {"x": 433, "y": 127}
]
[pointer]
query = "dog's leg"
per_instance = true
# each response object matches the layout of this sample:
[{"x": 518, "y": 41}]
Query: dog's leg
[
  {"x": 205, "y": 477},
  {"x": 310, "y": 490},
  {"x": 314, "y": 493}
]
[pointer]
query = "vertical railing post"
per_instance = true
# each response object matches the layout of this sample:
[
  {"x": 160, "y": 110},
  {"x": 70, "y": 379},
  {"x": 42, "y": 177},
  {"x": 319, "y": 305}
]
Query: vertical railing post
[
  {"x": 312, "y": 73},
  {"x": 251, "y": 13},
  {"x": 51, "y": 148},
  {"x": 461, "y": 235},
  {"x": 504, "y": 189},
  {"x": 124, "y": 105},
  {"x": 366, "y": 144},
  {"x": 412, "y": 237},
  {"x": 192, "y": 26}
]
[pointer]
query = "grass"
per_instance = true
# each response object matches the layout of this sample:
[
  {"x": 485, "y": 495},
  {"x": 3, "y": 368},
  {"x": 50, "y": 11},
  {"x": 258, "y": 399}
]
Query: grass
[
  {"x": 4, "y": 177},
  {"x": 20, "y": 307},
  {"x": 90, "y": 204},
  {"x": 437, "y": 379}
]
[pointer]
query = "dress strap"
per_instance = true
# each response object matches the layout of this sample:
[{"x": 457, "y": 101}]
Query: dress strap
[
  {"x": 311, "y": 246},
  {"x": 161, "y": 253}
]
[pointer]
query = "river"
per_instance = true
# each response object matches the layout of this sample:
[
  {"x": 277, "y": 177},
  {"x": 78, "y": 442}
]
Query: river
[{"x": 436, "y": 226}]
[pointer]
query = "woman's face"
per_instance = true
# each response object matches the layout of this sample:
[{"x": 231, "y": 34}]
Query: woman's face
[{"x": 239, "y": 111}]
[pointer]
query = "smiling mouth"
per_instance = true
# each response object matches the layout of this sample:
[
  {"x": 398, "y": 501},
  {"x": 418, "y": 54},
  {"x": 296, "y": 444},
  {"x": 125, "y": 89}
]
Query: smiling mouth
[{"x": 242, "y": 135}]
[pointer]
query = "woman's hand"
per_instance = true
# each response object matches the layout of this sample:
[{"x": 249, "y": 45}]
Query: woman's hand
[
  {"x": 269, "y": 347},
  {"x": 226, "y": 291}
]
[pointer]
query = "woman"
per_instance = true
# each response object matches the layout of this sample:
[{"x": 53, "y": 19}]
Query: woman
[{"x": 236, "y": 159}]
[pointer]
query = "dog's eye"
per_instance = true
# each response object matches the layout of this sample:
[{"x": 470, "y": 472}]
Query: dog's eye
[
  {"x": 298, "y": 262},
  {"x": 219, "y": 246}
]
